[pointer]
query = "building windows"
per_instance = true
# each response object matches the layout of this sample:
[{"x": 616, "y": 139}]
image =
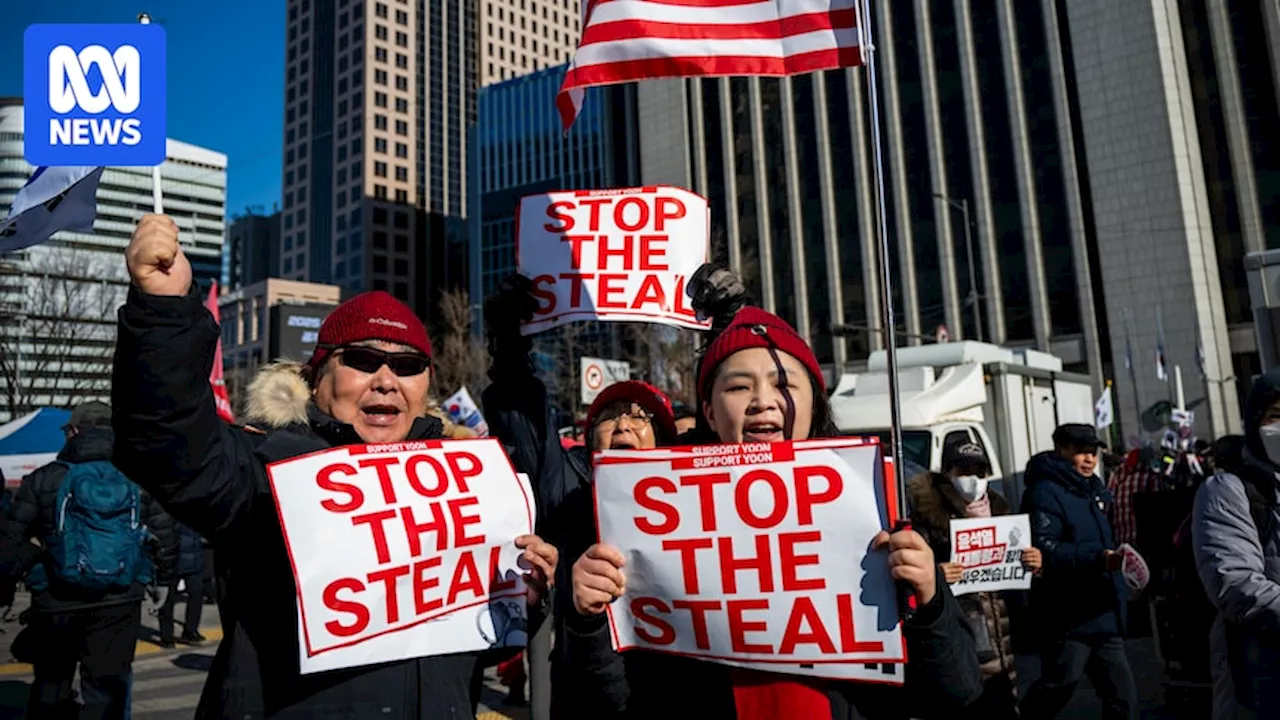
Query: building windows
[
  {"x": 380, "y": 54},
  {"x": 380, "y": 32},
  {"x": 402, "y": 243},
  {"x": 402, "y": 150},
  {"x": 380, "y": 146},
  {"x": 402, "y": 105},
  {"x": 402, "y": 39},
  {"x": 402, "y": 83},
  {"x": 402, "y": 61},
  {"x": 380, "y": 264},
  {"x": 380, "y": 77},
  {"x": 380, "y": 9},
  {"x": 402, "y": 17},
  {"x": 288, "y": 265},
  {"x": 380, "y": 192},
  {"x": 379, "y": 240},
  {"x": 380, "y": 169},
  {"x": 379, "y": 122},
  {"x": 402, "y": 173},
  {"x": 402, "y": 267},
  {"x": 380, "y": 99},
  {"x": 402, "y": 128}
]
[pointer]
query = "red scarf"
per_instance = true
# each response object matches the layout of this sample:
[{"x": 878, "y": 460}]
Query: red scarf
[{"x": 770, "y": 696}]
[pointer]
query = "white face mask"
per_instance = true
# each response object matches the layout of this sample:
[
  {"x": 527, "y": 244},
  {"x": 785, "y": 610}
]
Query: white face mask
[
  {"x": 1270, "y": 436},
  {"x": 970, "y": 487}
]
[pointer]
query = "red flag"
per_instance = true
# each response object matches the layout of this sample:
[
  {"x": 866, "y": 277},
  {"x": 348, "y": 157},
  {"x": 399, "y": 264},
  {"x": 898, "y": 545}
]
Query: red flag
[
  {"x": 220, "y": 396},
  {"x": 626, "y": 40}
]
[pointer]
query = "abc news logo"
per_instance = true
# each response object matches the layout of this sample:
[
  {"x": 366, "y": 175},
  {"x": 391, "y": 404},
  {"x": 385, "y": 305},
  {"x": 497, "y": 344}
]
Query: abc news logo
[
  {"x": 69, "y": 90},
  {"x": 94, "y": 95}
]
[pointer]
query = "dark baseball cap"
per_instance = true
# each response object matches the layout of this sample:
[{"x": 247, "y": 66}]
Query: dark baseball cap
[
  {"x": 90, "y": 414},
  {"x": 1077, "y": 434},
  {"x": 964, "y": 454}
]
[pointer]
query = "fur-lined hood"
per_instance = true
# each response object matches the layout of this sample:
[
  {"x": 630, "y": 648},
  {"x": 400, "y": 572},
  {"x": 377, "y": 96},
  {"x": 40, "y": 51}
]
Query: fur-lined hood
[
  {"x": 935, "y": 501},
  {"x": 279, "y": 394}
]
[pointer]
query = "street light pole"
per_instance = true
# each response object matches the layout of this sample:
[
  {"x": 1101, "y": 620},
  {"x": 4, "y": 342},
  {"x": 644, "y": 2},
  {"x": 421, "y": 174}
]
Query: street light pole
[{"x": 963, "y": 206}]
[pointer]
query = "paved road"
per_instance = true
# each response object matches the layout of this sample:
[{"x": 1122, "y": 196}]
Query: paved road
[{"x": 167, "y": 683}]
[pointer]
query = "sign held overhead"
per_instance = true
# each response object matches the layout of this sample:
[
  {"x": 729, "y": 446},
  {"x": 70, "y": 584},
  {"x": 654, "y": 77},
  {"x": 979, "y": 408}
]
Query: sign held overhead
[{"x": 596, "y": 374}]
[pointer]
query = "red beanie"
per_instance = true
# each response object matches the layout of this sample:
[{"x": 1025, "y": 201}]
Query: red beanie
[
  {"x": 643, "y": 394},
  {"x": 756, "y": 328},
  {"x": 370, "y": 316}
]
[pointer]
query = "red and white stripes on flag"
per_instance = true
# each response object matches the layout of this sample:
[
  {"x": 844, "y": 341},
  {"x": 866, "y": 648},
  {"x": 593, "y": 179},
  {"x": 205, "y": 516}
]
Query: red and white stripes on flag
[{"x": 626, "y": 40}]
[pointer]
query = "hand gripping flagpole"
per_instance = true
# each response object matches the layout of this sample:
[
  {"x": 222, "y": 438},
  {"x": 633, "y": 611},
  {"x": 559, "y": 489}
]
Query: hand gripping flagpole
[
  {"x": 887, "y": 321},
  {"x": 157, "y": 198}
]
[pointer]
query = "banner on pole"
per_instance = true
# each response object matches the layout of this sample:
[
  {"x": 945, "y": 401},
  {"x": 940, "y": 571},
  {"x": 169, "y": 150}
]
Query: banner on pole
[
  {"x": 463, "y": 410},
  {"x": 404, "y": 550},
  {"x": 755, "y": 555},
  {"x": 990, "y": 551},
  {"x": 612, "y": 255}
]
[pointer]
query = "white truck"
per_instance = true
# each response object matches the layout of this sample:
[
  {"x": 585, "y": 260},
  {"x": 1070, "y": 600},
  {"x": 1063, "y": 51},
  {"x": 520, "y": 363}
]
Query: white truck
[{"x": 1008, "y": 401}]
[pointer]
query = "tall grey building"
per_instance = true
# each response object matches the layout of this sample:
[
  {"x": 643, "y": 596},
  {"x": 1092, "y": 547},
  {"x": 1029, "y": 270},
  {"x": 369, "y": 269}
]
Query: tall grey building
[
  {"x": 378, "y": 97},
  {"x": 1112, "y": 158}
]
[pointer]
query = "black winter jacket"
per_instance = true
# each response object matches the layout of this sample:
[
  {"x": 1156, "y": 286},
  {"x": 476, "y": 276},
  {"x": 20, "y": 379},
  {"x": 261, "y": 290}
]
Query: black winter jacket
[
  {"x": 33, "y": 515},
  {"x": 1075, "y": 596},
  {"x": 190, "y": 552},
  {"x": 212, "y": 477}
]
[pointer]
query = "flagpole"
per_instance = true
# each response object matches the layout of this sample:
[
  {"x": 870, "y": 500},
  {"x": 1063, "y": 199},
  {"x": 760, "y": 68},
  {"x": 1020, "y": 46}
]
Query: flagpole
[
  {"x": 1164, "y": 360},
  {"x": 157, "y": 199},
  {"x": 1132, "y": 368},
  {"x": 887, "y": 321}
]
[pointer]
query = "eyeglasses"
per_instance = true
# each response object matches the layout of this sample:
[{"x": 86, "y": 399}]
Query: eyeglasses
[
  {"x": 370, "y": 360},
  {"x": 637, "y": 414}
]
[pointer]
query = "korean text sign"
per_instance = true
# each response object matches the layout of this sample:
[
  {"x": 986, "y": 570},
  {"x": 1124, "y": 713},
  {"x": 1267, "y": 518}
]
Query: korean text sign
[
  {"x": 612, "y": 254},
  {"x": 403, "y": 550},
  {"x": 990, "y": 551},
  {"x": 754, "y": 555}
]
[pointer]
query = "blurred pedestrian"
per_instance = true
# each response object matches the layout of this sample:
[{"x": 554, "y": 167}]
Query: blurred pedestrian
[
  {"x": 101, "y": 541},
  {"x": 961, "y": 490},
  {"x": 1078, "y": 603},
  {"x": 190, "y": 576},
  {"x": 366, "y": 382},
  {"x": 1236, "y": 536}
]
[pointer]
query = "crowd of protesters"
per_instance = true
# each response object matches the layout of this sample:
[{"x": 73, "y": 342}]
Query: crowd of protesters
[{"x": 164, "y": 475}]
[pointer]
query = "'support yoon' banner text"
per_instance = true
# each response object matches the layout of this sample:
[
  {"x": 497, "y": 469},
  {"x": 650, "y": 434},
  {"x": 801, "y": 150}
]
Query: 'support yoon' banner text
[
  {"x": 404, "y": 550},
  {"x": 755, "y": 555},
  {"x": 990, "y": 551},
  {"x": 612, "y": 254}
]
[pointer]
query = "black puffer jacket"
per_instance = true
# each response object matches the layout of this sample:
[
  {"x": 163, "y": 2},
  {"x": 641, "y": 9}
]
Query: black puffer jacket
[
  {"x": 33, "y": 515},
  {"x": 212, "y": 477}
]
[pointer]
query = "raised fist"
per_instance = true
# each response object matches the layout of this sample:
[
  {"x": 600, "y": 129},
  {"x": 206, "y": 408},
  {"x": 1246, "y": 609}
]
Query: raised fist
[{"x": 156, "y": 263}]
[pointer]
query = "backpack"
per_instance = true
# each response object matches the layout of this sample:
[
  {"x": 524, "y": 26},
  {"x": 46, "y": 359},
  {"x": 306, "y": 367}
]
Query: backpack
[{"x": 98, "y": 541}]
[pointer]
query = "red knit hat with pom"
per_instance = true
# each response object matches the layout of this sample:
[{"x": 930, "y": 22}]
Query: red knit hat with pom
[
  {"x": 753, "y": 327},
  {"x": 369, "y": 316}
]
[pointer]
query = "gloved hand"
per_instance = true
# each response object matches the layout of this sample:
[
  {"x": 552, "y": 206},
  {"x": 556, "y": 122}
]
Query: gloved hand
[
  {"x": 717, "y": 293},
  {"x": 159, "y": 595},
  {"x": 511, "y": 304}
]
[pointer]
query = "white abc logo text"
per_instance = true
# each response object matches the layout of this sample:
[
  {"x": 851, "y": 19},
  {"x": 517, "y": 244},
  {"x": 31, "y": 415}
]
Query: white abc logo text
[{"x": 121, "y": 79}]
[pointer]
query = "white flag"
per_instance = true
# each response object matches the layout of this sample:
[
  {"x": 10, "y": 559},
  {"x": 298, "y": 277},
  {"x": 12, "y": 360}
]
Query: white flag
[
  {"x": 1103, "y": 413},
  {"x": 463, "y": 410},
  {"x": 54, "y": 199}
]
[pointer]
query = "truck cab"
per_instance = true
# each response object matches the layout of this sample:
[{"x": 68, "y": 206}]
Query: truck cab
[{"x": 1007, "y": 401}]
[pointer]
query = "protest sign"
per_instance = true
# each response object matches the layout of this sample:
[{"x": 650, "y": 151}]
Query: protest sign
[
  {"x": 464, "y": 411},
  {"x": 990, "y": 551},
  {"x": 598, "y": 374},
  {"x": 612, "y": 254},
  {"x": 755, "y": 555},
  {"x": 403, "y": 550}
]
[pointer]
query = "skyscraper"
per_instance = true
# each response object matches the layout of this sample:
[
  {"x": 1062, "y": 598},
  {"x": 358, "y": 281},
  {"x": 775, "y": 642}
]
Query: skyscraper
[
  {"x": 524, "y": 36},
  {"x": 378, "y": 96}
]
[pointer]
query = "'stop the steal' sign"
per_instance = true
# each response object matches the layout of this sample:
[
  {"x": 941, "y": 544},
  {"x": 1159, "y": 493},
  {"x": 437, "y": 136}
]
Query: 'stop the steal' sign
[
  {"x": 94, "y": 95},
  {"x": 404, "y": 550},
  {"x": 754, "y": 555},
  {"x": 990, "y": 551},
  {"x": 612, "y": 254}
]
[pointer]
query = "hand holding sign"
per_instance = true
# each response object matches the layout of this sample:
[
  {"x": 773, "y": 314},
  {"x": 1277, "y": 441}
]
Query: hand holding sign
[
  {"x": 541, "y": 557},
  {"x": 911, "y": 561},
  {"x": 598, "y": 579}
]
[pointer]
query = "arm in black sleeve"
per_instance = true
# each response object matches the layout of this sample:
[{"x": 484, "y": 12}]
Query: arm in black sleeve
[
  {"x": 21, "y": 524},
  {"x": 594, "y": 671},
  {"x": 943, "y": 674},
  {"x": 164, "y": 531},
  {"x": 169, "y": 438}
]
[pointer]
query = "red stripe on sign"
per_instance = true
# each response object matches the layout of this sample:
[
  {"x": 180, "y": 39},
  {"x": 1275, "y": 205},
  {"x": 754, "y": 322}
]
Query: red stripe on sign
[{"x": 779, "y": 29}]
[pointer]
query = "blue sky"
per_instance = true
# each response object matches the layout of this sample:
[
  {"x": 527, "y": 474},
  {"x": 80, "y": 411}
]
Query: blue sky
[{"x": 226, "y": 76}]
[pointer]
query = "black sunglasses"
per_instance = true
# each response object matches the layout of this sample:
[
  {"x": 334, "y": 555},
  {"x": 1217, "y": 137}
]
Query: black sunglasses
[{"x": 370, "y": 360}]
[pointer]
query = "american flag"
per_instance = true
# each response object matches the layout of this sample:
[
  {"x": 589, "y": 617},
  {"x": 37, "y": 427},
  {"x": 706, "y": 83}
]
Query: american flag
[{"x": 626, "y": 40}]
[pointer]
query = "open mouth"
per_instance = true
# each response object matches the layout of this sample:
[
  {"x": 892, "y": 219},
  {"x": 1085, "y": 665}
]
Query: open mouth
[
  {"x": 380, "y": 415},
  {"x": 762, "y": 432}
]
